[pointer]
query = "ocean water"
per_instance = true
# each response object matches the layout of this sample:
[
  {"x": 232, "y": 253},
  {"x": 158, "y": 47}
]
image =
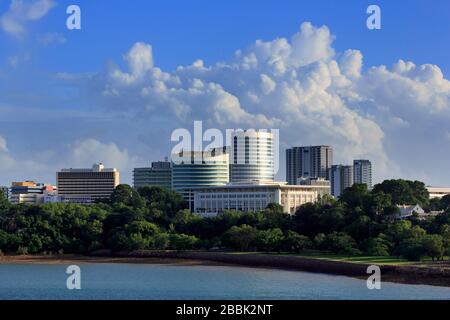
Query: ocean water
[{"x": 156, "y": 281}]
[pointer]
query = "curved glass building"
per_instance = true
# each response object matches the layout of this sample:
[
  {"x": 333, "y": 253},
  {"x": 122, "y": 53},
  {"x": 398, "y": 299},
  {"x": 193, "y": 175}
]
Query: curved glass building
[
  {"x": 191, "y": 170},
  {"x": 252, "y": 156}
]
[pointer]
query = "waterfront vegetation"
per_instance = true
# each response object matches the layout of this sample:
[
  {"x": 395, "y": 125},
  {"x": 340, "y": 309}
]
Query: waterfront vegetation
[{"x": 360, "y": 226}]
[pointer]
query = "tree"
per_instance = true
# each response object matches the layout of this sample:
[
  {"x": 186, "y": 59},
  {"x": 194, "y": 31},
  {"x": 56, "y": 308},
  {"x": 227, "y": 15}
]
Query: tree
[
  {"x": 411, "y": 248},
  {"x": 274, "y": 216},
  {"x": 433, "y": 246},
  {"x": 295, "y": 242},
  {"x": 167, "y": 201},
  {"x": 3, "y": 201},
  {"x": 126, "y": 195},
  {"x": 161, "y": 241},
  {"x": 242, "y": 237},
  {"x": 184, "y": 219},
  {"x": 355, "y": 195},
  {"x": 379, "y": 246},
  {"x": 137, "y": 241},
  {"x": 445, "y": 202},
  {"x": 361, "y": 228},
  {"x": 182, "y": 242},
  {"x": 340, "y": 243},
  {"x": 404, "y": 191},
  {"x": 270, "y": 240}
]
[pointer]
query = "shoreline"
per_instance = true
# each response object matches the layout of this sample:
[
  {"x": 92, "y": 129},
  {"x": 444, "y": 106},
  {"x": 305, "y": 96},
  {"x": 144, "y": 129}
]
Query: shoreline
[{"x": 414, "y": 275}]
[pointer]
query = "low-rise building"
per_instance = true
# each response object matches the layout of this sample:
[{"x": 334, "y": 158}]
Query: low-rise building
[
  {"x": 30, "y": 192},
  {"x": 254, "y": 196},
  {"x": 437, "y": 192},
  {"x": 313, "y": 182},
  {"x": 407, "y": 211}
]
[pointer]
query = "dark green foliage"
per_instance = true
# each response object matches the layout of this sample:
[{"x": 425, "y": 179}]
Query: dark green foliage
[
  {"x": 294, "y": 242},
  {"x": 270, "y": 240},
  {"x": 404, "y": 191},
  {"x": 242, "y": 237},
  {"x": 360, "y": 221},
  {"x": 340, "y": 243}
]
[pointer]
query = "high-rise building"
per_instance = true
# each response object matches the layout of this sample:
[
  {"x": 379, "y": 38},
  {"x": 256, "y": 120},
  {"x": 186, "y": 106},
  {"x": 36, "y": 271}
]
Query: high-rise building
[
  {"x": 158, "y": 175},
  {"x": 191, "y": 170},
  {"x": 252, "y": 156},
  {"x": 308, "y": 162},
  {"x": 362, "y": 172},
  {"x": 341, "y": 178},
  {"x": 30, "y": 192},
  {"x": 87, "y": 185}
]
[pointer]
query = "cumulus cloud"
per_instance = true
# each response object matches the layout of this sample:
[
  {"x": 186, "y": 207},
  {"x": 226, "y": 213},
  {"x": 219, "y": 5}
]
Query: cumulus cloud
[
  {"x": 89, "y": 151},
  {"x": 14, "y": 21},
  {"x": 294, "y": 84},
  {"x": 397, "y": 115},
  {"x": 79, "y": 154}
]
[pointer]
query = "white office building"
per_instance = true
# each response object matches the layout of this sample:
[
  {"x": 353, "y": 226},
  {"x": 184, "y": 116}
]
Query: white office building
[
  {"x": 341, "y": 178},
  {"x": 254, "y": 196},
  {"x": 362, "y": 172},
  {"x": 252, "y": 156}
]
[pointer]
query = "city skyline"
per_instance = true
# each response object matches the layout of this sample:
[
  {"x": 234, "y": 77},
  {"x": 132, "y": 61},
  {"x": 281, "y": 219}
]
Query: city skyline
[{"x": 317, "y": 73}]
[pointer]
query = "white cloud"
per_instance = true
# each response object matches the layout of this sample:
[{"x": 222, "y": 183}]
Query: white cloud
[
  {"x": 20, "y": 13},
  {"x": 89, "y": 151},
  {"x": 16, "y": 60},
  {"x": 351, "y": 63},
  {"x": 396, "y": 116},
  {"x": 294, "y": 85},
  {"x": 3, "y": 146},
  {"x": 80, "y": 154},
  {"x": 50, "y": 38}
]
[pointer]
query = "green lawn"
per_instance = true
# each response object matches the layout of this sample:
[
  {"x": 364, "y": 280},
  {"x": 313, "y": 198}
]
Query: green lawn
[{"x": 379, "y": 260}]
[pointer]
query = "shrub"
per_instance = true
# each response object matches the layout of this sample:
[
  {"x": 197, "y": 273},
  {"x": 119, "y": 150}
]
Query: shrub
[
  {"x": 295, "y": 242},
  {"x": 22, "y": 251},
  {"x": 340, "y": 243}
]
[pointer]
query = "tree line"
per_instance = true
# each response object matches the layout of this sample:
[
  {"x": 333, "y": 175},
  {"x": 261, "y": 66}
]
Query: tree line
[{"x": 361, "y": 221}]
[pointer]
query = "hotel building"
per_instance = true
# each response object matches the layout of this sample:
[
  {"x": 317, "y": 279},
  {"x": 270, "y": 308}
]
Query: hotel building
[
  {"x": 158, "y": 175},
  {"x": 87, "y": 185},
  {"x": 254, "y": 196},
  {"x": 308, "y": 162},
  {"x": 191, "y": 170},
  {"x": 252, "y": 156}
]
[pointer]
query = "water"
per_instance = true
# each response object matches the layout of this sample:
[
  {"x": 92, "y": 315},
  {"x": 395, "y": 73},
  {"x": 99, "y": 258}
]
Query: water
[{"x": 156, "y": 281}]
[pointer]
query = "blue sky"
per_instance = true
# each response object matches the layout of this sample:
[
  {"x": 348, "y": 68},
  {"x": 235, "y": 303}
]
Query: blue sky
[
  {"x": 182, "y": 31},
  {"x": 47, "y": 122}
]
